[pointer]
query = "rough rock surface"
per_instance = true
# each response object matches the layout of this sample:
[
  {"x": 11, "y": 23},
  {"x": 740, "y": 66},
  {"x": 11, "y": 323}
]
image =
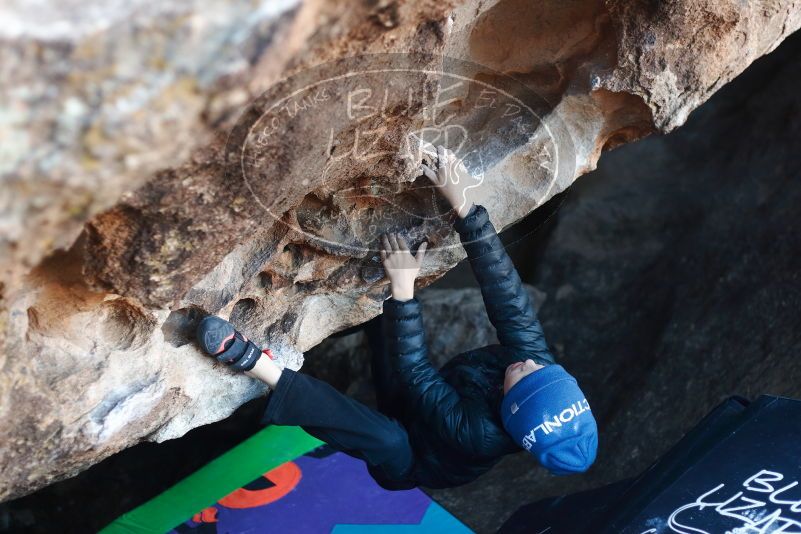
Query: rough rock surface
[
  {"x": 95, "y": 352},
  {"x": 98, "y": 95}
]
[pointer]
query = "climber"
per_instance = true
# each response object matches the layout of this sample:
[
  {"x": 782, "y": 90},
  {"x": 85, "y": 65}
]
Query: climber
[{"x": 434, "y": 428}]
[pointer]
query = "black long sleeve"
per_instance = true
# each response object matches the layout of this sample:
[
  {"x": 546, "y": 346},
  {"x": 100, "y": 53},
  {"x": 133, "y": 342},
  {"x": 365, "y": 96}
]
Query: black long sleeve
[
  {"x": 454, "y": 419},
  {"x": 507, "y": 301},
  {"x": 432, "y": 399}
]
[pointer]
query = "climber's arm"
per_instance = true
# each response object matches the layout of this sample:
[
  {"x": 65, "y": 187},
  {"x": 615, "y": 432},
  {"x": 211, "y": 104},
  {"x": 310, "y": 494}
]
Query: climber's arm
[
  {"x": 430, "y": 396},
  {"x": 507, "y": 302}
]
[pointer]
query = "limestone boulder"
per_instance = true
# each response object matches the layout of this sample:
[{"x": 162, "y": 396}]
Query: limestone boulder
[{"x": 162, "y": 161}]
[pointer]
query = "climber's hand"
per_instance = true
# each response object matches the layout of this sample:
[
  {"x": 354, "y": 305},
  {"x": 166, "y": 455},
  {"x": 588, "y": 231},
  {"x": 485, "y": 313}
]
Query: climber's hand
[
  {"x": 452, "y": 178},
  {"x": 400, "y": 265}
]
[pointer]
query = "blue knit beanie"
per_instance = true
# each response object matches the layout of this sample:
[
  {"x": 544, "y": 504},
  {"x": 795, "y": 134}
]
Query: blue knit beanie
[{"x": 549, "y": 416}]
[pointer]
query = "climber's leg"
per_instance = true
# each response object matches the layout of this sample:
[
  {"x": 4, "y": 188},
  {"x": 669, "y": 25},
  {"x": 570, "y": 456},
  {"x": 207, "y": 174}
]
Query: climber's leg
[
  {"x": 322, "y": 411},
  {"x": 343, "y": 423},
  {"x": 387, "y": 392}
]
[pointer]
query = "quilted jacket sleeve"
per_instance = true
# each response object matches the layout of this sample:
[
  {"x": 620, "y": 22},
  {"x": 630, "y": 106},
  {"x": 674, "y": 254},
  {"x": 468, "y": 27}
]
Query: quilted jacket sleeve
[
  {"x": 432, "y": 399},
  {"x": 505, "y": 298}
]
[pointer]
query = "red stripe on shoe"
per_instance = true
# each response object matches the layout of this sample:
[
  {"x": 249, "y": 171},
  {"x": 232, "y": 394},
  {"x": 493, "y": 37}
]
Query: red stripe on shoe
[{"x": 222, "y": 345}]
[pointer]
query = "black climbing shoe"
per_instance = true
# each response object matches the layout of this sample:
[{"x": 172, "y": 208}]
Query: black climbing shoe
[{"x": 217, "y": 337}]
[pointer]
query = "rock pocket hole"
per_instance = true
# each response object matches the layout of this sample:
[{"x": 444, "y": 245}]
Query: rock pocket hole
[
  {"x": 126, "y": 326},
  {"x": 265, "y": 280},
  {"x": 242, "y": 310},
  {"x": 180, "y": 326}
]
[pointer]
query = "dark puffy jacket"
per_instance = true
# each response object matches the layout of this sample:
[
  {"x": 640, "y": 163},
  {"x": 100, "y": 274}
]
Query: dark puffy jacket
[{"x": 454, "y": 420}]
